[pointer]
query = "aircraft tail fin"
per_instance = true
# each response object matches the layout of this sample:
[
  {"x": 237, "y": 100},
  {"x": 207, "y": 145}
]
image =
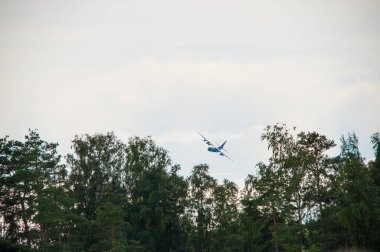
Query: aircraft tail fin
[{"x": 221, "y": 147}]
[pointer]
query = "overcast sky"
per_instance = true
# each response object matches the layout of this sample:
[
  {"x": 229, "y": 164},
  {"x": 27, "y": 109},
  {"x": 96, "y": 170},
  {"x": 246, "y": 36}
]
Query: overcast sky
[{"x": 170, "y": 69}]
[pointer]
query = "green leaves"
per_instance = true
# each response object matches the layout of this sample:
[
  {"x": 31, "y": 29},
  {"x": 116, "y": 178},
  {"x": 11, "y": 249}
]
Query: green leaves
[
  {"x": 31, "y": 175},
  {"x": 112, "y": 196},
  {"x": 358, "y": 196},
  {"x": 156, "y": 196},
  {"x": 292, "y": 187}
]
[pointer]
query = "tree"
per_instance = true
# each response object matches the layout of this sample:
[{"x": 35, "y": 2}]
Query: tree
[
  {"x": 156, "y": 194},
  {"x": 375, "y": 174},
  {"x": 32, "y": 193},
  {"x": 226, "y": 235},
  {"x": 52, "y": 209},
  {"x": 359, "y": 201},
  {"x": 294, "y": 183},
  {"x": 375, "y": 165},
  {"x": 314, "y": 183},
  {"x": 14, "y": 222},
  {"x": 120, "y": 197},
  {"x": 255, "y": 219},
  {"x": 201, "y": 186},
  {"x": 311, "y": 149},
  {"x": 109, "y": 229},
  {"x": 324, "y": 230},
  {"x": 267, "y": 194},
  {"x": 97, "y": 177},
  {"x": 278, "y": 182}
]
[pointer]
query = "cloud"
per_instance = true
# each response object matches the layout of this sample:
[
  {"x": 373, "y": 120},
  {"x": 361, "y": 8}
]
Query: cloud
[{"x": 224, "y": 69}]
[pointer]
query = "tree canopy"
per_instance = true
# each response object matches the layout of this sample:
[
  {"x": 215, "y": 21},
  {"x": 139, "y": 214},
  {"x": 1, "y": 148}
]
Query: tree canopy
[{"x": 112, "y": 196}]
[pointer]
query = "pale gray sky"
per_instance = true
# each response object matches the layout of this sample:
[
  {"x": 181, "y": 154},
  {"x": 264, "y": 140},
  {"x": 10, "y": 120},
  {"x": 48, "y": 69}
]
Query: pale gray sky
[{"x": 171, "y": 69}]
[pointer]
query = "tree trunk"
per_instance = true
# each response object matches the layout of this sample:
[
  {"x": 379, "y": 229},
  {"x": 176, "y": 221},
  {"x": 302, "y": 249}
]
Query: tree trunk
[
  {"x": 24, "y": 220},
  {"x": 113, "y": 234},
  {"x": 275, "y": 236}
]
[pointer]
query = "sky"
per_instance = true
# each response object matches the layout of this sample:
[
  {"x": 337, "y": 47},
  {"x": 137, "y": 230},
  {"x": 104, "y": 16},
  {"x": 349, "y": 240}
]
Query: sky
[{"x": 171, "y": 68}]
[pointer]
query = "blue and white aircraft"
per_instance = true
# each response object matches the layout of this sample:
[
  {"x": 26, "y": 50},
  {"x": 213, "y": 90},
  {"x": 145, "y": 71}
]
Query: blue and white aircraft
[{"x": 216, "y": 149}]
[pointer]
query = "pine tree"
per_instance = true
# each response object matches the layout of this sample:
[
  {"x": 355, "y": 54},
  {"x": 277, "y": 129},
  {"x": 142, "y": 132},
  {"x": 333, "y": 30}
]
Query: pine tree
[{"x": 32, "y": 194}]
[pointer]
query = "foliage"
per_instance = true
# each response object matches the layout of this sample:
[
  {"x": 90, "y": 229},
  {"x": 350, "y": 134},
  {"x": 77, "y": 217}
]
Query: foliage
[{"x": 112, "y": 196}]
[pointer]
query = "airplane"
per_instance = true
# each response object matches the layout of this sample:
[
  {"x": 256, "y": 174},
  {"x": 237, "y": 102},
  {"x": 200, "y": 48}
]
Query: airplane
[{"x": 217, "y": 149}]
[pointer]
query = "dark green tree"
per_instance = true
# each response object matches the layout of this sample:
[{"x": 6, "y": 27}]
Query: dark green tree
[
  {"x": 311, "y": 152},
  {"x": 359, "y": 201},
  {"x": 278, "y": 188},
  {"x": 109, "y": 229},
  {"x": 201, "y": 187},
  {"x": 120, "y": 197},
  {"x": 31, "y": 193},
  {"x": 97, "y": 177},
  {"x": 14, "y": 176},
  {"x": 257, "y": 225},
  {"x": 268, "y": 195},
  {"x": 313, "y": 186},
  {"x": 324, "y": 230},
  {"x": 226, "y": 232},
  {"x": 156, "y": 196},
  {"x": 295, "y": 181},
  {"x": 375, "y": 165}
]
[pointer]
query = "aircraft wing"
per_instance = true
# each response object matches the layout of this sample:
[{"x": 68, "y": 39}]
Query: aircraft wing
[
  {"x": 224, "y": 155},
  {"x": 206, "y": 140}
]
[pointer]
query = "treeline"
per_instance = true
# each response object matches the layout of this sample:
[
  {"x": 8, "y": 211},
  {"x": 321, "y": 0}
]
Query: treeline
[{"x": 111, "y": 196}]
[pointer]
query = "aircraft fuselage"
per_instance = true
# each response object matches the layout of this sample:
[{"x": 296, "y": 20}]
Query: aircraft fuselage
[{"x": 213, "y": 149}]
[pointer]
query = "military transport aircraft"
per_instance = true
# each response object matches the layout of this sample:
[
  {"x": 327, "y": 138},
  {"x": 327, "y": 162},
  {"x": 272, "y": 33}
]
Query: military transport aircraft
[{"x": 216, "y": 149}]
